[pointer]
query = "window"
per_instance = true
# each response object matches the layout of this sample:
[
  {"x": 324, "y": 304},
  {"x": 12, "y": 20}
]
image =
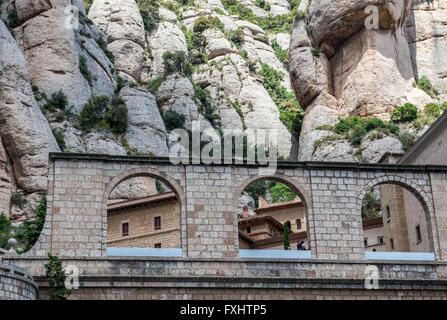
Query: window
[
  {"x": 157, "y": 223},
  {"x": 380, "y": 240},
  {"x": 388, "y": 213},
  {"x": 248, "y": 229},
  {"x": 298, "y": 224},
  {"x": 418, "y": 233},
  {"x": 157, "y": 245},
  {"x": 365, "y": 242},
  {"x": 124, "y": 229},
  {"x": 392, "y": 243}
]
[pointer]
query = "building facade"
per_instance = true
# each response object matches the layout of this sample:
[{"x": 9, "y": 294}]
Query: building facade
[{"x": 150, "y": 222}]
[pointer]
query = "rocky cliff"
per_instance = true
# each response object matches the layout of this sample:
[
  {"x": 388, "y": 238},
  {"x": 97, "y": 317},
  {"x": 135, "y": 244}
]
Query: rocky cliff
[
  {"x": 72, "y": 71},
  {"x": 341, "y": 68}
]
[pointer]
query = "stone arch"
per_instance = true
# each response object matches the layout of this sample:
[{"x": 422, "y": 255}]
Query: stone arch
[
  {"x": 300, "y": 190},
  {"x": 423, "y": 198},
  {"x": 296, "y": 186},
  {"x": 145, "y": 172},
  {"x": 173, "y": 184}
]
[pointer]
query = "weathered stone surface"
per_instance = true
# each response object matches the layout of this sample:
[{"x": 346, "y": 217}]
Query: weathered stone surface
[
  {"x": 279, "y": 7},
  {"x": 335, "y": 151},
  {"x": 426, "y": 35},
  {"x": 367, "y": 72},
  {"x": 335, "y": 21},
  {"x": 146, "y": 131},
  {"x": 6, "y": 179},
  {"x": 374, "y": 149},
  {"x": 121, "y": 21},
  {"x": 27, "y": 9},
  {"x": 167, "y": 37},
  {"x": 53, "y": 53},
  {"x": 309, "y": 75},
  {"x": 21, "y": 118},
  {"x": 217, "y": 44},
  {"x": 133, "y": 188},
  {"x": 317, "y": 115}
]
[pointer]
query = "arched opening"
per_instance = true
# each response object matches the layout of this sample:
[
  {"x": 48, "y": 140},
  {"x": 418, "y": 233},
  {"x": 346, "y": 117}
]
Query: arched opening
[
  {"x": 396, "y": 224},
  {"x": 272, "y": 220},
  {"x": 143, "y": 218}
]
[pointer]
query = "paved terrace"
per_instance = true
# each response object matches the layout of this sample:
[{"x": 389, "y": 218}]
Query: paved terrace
[{"x": 210, "y": 264}]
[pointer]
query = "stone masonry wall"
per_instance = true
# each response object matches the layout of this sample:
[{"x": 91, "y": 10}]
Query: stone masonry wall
[
  {"x": 80, "y": 184},
  {"x": 16, "y": 286},
  {"x": 141, "y": 226}
]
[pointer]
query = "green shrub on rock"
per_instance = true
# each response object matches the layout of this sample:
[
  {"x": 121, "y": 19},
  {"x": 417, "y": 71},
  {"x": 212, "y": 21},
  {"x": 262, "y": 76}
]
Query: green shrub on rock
[
  {"x": 149, "y": 13},
  {"x": 93, "y": 111},
  {"x": 424, "y": 84},
  {"x": 58, "y": 134},
  {"x": 203, "y": 23},
  {"x": 116, "y": 115},
  {"x": 177, "y": 62},
  {"x": 432, "y": 109},
  {"x": 173, "y": 120},
  {"x": 103, "y": 112},
  {"x": 406, "y": 113},
  {"x": 58, "y": 100}
]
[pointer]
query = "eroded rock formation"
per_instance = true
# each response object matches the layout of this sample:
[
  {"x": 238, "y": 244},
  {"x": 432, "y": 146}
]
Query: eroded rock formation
[{"x": 340, "y": 67}]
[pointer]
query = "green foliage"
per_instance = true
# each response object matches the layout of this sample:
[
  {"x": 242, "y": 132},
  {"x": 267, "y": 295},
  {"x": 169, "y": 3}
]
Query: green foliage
[
  {"x": 101, "y": 111},
  {"x": 13, "y": 19},
  {"x": 149, "y": 13},
  {"x": 281, "y": 193},
  {"x": 315, "y": 52},
  {"x": 116, "y": 115},
  {"x": 407, "y": 139},
  {"x": 177, "y": 62},
  {"x": 290, "y": 111},
  {"x": 103, "y": 45},
  {"x": 120, "y": 83},
  {"x": 279, "y": 23},
  {"x": 286, "y": 236},
  {"x": 294, "y": 4},
  {"x": 29, "y": 231},
  {"x": 92, "y": 112},
  {"x": 324, "y": 139},
  {"x": 187, "y": 2},
  {"x": 195, "y": 41},
  {"x": 236, "y": 36},
  {"x": 58, "y": 134},
  {"x": 281, "y": 54},
  {"x": 432, "y": 109},
  {"x": 198, "y": 58},
  {"x": 405, "y": 113},
  {"x": 159, "y": 187},
  {"x": 84, "y": 70},
  {"x": 218, "y": 11},
  {"x": 17, "y": 200},
  {"x": 424, "y": 84},
  {"x": 443, "y": 106},
  {"x": 206, "y": 22},
  {"x": 370, "y": 207},
  {"x": 58, "y": 100},
  {"x": 153, "y": 85},
  {"x": 5, "y": 231},
  {"x": 56, "y": 278},
  {"x": 257, "y": 189},
  {"x": 87, "y": 4},
  {"x": 173, "y": 120},
  {"x": 206, "y": 108},
  {"x": 355, "y": 128}
]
